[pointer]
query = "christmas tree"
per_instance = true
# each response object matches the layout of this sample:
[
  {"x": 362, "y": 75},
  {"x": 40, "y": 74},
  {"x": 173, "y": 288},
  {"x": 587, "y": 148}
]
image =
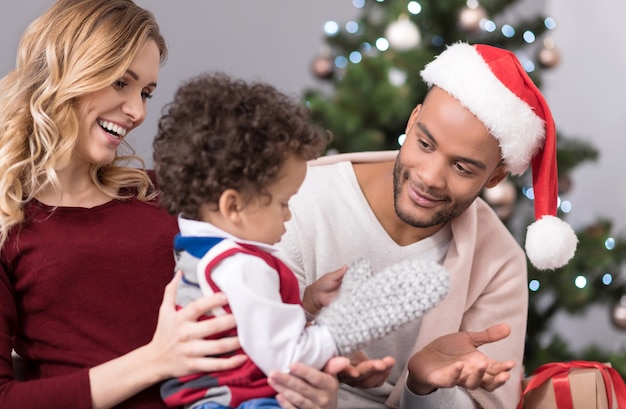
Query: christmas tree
[{"x": 369, "y": 73}]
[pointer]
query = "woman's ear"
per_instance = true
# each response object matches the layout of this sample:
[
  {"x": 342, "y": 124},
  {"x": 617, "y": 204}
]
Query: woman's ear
[
  {"x": 230, "y": 205},
  {"x": 497, "y": 176}
]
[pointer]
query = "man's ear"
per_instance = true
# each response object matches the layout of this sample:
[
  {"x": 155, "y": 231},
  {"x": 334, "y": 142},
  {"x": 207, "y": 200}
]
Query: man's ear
[
  {"x": 230, "y": 205},
  {"x": 497, "y": 176},
  {"x": 413, "y": 118}
]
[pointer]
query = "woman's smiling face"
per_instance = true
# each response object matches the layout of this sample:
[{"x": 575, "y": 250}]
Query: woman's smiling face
[{"x": 109, "y": 114}]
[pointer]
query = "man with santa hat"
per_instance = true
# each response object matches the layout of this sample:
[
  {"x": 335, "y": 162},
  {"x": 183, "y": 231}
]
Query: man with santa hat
[{"x": 482, "y": 119}]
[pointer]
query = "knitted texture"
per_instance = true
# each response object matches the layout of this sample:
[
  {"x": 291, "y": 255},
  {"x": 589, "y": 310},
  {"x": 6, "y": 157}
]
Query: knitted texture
[
  {"x": 358, "y": 273},
  {"x": 374, "y": 305}
]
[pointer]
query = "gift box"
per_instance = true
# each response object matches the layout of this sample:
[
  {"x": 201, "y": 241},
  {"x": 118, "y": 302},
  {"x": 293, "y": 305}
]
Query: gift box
[{"x": 574, "y": 385}]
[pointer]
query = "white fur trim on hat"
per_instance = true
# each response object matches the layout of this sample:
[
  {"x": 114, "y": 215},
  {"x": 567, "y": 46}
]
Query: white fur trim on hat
[{"x": 463, "y": 73}]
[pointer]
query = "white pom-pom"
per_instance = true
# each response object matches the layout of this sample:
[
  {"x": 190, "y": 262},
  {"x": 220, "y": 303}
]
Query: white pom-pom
[{"x": 550, "y": 243}]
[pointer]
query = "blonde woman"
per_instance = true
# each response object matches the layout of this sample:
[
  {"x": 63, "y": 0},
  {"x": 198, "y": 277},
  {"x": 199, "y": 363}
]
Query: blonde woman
[
  {"x": 85, "y": 252},
  {"x": 86, "y": 255}
]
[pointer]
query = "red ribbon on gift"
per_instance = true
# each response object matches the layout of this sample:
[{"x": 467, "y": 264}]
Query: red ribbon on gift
[{"x": 559, "y": 372}]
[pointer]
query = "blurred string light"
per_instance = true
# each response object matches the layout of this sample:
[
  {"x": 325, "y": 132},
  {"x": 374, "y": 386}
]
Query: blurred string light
[
  {"x": 355, "y": 57},
  {"x": 508, "y": 30},
  {"x": 550, "y": 23},
  {"x": 528, "y": 65},
  {"x": 566, "y": 206},
  {"x": 414, "y": 7},
  {"x": 352, "y": 27},
  {"x": 580, "y": 282},
  {"x": 529, "y": 37},
  {"x": 382, "y": 44},
  {"x": 534, "y": 285},
  {"x": 367, "y": 49},
  {"x": 341, "y": 61},
  {"x": 528, "y": 192},
  {"x": 331, "y": 28},
  {"x": 488, "y": 25},
  {"x": 607, "y": 279},
  {"x": 401, "y": 139}
]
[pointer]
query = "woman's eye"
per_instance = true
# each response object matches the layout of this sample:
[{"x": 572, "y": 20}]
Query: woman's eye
[
  {"x": 119, "y": 84},
  {"x": 146, "y": 95}
]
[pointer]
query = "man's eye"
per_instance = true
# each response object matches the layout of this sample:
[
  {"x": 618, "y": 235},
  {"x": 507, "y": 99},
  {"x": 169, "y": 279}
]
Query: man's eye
[
  {"x": 461, "y": 169},
  {"x": 423, "y": 144}
]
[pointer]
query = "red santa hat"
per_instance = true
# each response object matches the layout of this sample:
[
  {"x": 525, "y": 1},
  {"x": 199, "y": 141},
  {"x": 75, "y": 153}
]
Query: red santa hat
[{"x": 493, "y": 85}]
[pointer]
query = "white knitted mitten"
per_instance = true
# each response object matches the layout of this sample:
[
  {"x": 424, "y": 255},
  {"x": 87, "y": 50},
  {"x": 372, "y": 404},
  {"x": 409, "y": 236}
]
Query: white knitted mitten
[
  {"x": 371, "y": 308},
  {"x": 358, "y": 272}
]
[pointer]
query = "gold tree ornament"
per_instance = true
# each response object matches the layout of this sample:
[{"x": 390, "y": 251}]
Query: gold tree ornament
[
  {"x": 322, "y": 67},
  {"x": 471, "y": 16},
  {"x": 618, "y": 314},
  {"x": 549, "y": 56},
  {"x": 403, "y": 34},
  {"x": 501, "y": 198}
]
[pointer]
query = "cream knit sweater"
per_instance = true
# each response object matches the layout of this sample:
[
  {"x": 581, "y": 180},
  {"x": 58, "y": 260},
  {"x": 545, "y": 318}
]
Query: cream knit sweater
[{"x": 332, "y": 225}]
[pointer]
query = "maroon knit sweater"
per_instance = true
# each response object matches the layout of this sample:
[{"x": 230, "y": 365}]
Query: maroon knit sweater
[{"x": 79, "y": 287}]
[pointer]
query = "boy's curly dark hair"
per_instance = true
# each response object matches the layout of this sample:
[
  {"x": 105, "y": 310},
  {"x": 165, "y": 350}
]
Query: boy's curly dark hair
[{"x": 222, "y": 133}]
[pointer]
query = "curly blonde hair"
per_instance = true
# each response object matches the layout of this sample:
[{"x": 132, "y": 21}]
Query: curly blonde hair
[{"x": 75, "y": 48}]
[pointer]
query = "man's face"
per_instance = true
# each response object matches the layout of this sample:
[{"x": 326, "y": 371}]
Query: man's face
[{"x": 447, "y": 158}]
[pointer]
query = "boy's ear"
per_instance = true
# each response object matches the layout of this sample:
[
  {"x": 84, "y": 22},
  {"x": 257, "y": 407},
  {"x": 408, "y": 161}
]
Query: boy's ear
[{"x": 230, "y": 205}]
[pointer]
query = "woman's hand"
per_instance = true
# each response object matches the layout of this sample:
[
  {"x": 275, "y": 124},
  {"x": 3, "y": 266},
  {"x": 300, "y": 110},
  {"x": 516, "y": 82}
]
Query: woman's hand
[
  {"x": 454, "y": 360},
  {"x": 322, "y": 291},
  {"x": 305, "y": 387},
  {"x": 177, "y": 348},
  {"x": 179, "y": 336}
]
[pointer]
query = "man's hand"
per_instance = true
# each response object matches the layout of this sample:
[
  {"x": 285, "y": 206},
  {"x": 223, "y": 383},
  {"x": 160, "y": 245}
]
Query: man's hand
[
  {"x": 305, "y": 387},
  {"x": 366, "y": 373},
  {"x": 454, "y": 360},
  {"x": 321, "y": 292}
]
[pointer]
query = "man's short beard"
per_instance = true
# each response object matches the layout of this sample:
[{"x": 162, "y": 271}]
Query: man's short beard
[{"x": 442, "y": 216}]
